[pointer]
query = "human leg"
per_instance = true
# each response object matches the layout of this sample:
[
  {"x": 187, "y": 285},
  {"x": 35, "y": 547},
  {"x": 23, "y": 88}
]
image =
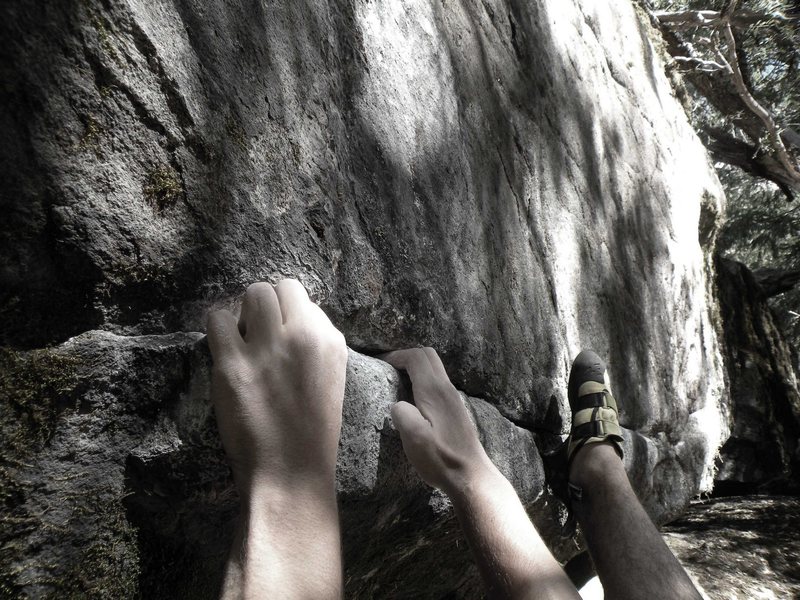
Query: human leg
[{"x": 629, "y": 554}]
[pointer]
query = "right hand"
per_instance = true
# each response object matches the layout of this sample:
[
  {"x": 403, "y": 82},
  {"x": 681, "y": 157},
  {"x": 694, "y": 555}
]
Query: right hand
[{"x": 438, "y": 436}]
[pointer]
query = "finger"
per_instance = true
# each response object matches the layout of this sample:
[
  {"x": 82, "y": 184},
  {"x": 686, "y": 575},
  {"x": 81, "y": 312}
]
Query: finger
[
  {"x": 413, "y": 361},
  {"x": 223, "y": 335},
  {"x": 414, "y": 429},
  {"x": 293, "y": 299},
  {"x": 261, "y": 314},
  {"x": 316, "y": 312},
  {"x": 436, "y": 363}
]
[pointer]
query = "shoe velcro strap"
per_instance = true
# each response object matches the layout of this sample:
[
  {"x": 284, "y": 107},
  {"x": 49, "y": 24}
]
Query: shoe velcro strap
[
  {"x": 596, "y": 429},
  {"x": 591, "y": 387},
  {"x": 603, "y": 398},
  {"x": 599, "y": 413}
]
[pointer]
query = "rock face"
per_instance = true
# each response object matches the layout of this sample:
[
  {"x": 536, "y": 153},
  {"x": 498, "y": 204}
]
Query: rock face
[
  {"x": 508, "y": 182},
  {"x": 116, "y": 452},
  {"x": 762, "y": 452}
]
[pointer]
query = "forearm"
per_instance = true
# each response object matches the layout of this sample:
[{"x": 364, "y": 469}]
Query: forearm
[
  {"x": 513, "y": 560},
  {"x": 283, "y": 535}
]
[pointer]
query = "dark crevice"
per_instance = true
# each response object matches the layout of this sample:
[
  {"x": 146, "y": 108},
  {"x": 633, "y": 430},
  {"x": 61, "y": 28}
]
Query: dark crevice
[{"x": 514, "y": 42}]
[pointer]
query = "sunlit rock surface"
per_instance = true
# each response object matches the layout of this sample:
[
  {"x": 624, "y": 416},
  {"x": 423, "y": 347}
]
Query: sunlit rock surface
[{"x": 508, "y": 182}]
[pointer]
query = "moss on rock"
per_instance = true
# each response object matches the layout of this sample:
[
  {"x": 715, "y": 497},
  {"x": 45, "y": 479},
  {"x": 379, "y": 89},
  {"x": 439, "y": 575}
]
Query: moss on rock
[
  {"x": 34, "y": 388},
  {"x": 163, "y": 187}
]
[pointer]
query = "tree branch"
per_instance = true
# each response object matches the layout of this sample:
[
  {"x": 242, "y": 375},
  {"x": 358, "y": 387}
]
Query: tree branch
[
  {"x": 762, "y": 113},
  {"x": 689, "y": 19},
  {"x": 730, "y": 95},
  {"x": 776, "y": 281},
  {"x": 704, "y": 65},
  {"x": 727, "y": 149}
]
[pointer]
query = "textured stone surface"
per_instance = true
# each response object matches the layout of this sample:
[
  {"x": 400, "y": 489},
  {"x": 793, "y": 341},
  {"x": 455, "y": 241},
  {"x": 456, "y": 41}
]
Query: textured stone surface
[
  {"x": 133, "y": 475},
  {"x": 762, "y": 452},
  {"x": 740, "y": 547},
  {"x": 735, "y": 548},
  {"x": 505, "y": 181}
]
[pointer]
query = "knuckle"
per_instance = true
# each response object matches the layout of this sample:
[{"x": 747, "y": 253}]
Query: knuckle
[
  {"x": 425, "y": 386},
  {"x": 416, "y": 355},
  {"x": 445, "y": 389},
  {"x": 236, "y": 376},
  {"x": 336, "y": 338},
  {"x": 300, "y": 338},
  {"x": 338, "y": 347}
]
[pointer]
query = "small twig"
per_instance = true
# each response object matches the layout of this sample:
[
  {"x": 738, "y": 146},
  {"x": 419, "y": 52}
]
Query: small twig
[
  {"x": 728, "y": 10},
  {"x": 708, "y": 66}
]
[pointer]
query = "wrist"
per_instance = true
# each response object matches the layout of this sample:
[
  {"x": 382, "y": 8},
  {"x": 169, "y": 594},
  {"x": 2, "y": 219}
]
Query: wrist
[
  {"x": 271, "y": 492},
  {"x": 282, "y": 516},
  {"x": 278, "y": 524},
  {"x": 481, "y": 475}
]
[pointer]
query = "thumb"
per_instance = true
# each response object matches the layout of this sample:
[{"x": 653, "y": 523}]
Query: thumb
[
  {"x": 414, "y": 429},
  {"x": 418, "y": 441}
]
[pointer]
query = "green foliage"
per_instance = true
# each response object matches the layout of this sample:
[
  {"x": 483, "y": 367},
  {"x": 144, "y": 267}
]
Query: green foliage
[
  {"x": 769, "y": 56},
  {"x": 90, "y": 140},
  {"x": 762, "y": 230}
]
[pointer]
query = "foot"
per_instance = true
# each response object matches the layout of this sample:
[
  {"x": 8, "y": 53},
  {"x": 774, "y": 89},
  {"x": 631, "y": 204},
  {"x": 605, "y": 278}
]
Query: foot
[{"x": 594, "y": 410}]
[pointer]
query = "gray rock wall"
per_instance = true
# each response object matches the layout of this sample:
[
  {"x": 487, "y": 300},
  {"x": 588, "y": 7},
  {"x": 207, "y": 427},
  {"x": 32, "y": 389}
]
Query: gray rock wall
[
  {"x": 508, "y": 182},
  {"x": 763, "y": 451}
]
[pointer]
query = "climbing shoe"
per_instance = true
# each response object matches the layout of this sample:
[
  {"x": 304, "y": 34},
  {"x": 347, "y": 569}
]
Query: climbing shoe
[{"x": 594, "y": 410}]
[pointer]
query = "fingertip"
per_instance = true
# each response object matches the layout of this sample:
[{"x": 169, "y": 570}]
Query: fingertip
[
  {"x": 292, "y": 288},
  {"x": 293, "y": 299},
  {"x": 436, "y": 361},
  {"x": 397, "y": 407},
  {"x": 217, "y": 319},
  {"x": 290, "y": 281},
  {"x": 261, "y": 313},
  {"x": 385, "y": 357},
  {"x": 258, "y": 287},
  {"x": 222, "y": 331},
  {"x": 404, "y": 359}
]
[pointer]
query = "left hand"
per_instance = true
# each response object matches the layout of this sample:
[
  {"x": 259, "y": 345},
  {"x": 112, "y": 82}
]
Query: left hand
[{"x": 277, "y": 387}]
